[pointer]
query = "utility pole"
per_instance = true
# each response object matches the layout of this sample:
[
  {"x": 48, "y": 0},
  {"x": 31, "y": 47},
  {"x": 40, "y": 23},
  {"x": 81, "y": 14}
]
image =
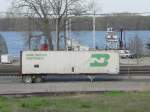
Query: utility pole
[
  {"x": 121, "y": 39},
  {"x": 66, "y": 25},
  {"x": 57, "y": 36},
  {"x": 94, "y": 21},
  {"x": 29, "y": 33},
  {"x": 70, "y": 30}
]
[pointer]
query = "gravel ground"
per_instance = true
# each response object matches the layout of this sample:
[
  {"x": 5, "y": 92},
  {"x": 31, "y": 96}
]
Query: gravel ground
[
  {"x": 74, "y": 87},
  {"x": 12, "y": 84}
]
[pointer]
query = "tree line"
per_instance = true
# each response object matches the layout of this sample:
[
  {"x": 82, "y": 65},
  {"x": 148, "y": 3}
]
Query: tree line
[{"x": 79, "y": 23}]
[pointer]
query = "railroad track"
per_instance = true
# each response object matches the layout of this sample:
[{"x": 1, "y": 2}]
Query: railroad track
[
  {"x": 9, "y": 69},
  {"x": 135, "y": 70},
  {"x": 132, "y": 70}
]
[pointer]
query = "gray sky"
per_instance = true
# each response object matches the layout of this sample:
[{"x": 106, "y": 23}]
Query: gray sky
[
  {"x": 124, "y": 5},
  {"x": 107, "y": 6},
  {"x": 4, "y": 4}
]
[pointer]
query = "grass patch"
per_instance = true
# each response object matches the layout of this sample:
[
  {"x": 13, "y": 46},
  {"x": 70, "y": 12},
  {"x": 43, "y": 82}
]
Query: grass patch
[
  {"x": 106, "y": 102},
  {"x": 5, "y": 105},
  {"x": 34, "y": 103},
  {"x": 114, "y": 93}
]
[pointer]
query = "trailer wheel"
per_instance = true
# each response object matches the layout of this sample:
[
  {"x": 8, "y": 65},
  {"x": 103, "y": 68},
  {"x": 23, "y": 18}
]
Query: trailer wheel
[
  {"x": 38, "y": 79},
  {"x": 27, "y": 79}
]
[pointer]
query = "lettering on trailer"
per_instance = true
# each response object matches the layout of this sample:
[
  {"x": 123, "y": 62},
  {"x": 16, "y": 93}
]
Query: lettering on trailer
[
  {"x": 99, "y": 60},
  {"x": 36, "y": 56}
]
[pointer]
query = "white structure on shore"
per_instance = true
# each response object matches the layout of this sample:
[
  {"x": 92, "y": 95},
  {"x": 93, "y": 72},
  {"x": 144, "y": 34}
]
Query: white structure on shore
[
  {"x": 112, "y": 39},
  {"x": 76, "y": 46}
]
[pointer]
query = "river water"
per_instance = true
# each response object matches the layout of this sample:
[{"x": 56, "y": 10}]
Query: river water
[{"x": 16, "y": 40}]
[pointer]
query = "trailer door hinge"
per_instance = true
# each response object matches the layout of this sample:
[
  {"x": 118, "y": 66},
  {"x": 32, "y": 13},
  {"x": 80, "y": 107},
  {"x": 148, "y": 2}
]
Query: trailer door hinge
[{"x": 72, "y": 69}]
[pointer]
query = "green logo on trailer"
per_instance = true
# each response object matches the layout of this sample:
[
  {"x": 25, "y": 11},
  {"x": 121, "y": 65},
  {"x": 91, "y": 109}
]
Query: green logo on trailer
[{"x": 100, "y": 60}]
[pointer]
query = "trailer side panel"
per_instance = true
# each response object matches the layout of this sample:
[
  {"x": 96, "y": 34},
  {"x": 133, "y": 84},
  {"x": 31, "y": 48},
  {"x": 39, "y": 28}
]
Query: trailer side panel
[{"x": 71, "y": 62}]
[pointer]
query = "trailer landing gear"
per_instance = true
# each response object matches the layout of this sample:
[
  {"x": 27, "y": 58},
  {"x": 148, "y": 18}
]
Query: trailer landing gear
[
  {"x": 27, "y": 78},
  {"x": 91, "y": 78}
]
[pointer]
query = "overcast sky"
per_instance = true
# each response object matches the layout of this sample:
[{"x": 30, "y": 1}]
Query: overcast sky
[{"x": 106, "y": 6}]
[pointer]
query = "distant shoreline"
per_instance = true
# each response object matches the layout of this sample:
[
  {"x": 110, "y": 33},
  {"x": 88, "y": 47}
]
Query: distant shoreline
[{"x": 129, "y": 22}]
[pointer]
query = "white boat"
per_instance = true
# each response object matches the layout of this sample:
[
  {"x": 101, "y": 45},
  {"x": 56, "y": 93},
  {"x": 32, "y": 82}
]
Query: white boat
[{"x": 112, "y": 39}]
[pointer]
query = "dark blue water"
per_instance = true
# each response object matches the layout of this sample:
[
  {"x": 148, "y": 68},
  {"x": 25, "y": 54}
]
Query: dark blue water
[{"x": 16, "y": 40}]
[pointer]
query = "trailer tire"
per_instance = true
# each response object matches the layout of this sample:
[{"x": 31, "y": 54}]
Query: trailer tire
[
  {"x": 27, "y": 79},
  {"x": 37, "y": 79}
]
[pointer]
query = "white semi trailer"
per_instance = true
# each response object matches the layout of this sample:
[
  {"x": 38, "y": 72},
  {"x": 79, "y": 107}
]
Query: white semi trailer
[{"x": 36, "y": 64}]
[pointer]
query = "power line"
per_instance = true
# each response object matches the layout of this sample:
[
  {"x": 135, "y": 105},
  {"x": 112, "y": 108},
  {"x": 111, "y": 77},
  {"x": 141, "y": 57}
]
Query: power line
[{"x": 5, "y": 14}]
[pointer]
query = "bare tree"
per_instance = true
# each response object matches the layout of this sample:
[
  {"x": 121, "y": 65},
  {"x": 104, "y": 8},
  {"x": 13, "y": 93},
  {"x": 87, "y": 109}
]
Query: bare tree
[
  {"x": 46, "y": 10},
  {"x": 136, "y": 46},
  {"x": 36, "y": 9},
  {"x": 62, "y": 8}
]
